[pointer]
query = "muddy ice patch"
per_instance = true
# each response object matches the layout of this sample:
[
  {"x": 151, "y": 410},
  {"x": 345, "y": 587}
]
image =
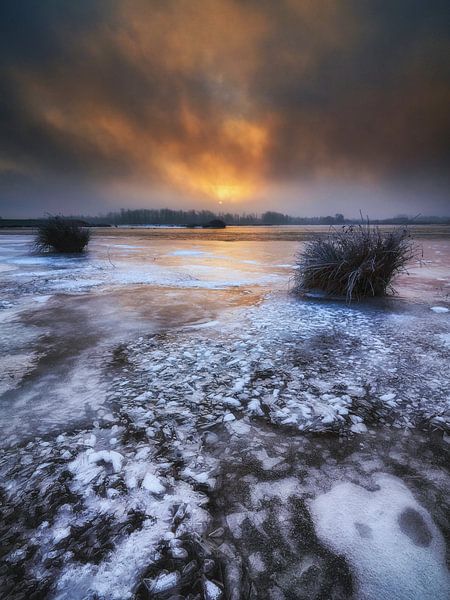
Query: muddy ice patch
[
  {"x": 265, "y": 504},
  {"x": 269, "y": 532},
  {"x": 149, "y": 504},
  {"x": 18, "y": 354}
]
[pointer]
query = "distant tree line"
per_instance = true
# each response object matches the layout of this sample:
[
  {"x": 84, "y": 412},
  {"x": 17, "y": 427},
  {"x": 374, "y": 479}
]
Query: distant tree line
[{"x": 167, "y": 216}]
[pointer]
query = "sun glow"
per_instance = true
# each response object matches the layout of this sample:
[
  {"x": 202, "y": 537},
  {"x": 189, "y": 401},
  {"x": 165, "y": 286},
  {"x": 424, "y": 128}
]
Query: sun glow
[
  {"x": 226, "y": 192},
  {"x": 222, "y": 183},
  {"x": 231, "y": 173}
]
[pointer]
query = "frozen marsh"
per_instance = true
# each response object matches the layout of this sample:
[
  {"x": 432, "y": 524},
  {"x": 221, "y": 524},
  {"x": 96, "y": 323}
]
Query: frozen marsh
[{"x": 176, "y": 425}]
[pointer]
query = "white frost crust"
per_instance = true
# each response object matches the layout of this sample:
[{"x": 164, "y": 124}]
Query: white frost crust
[{"x": 364, "y": 526}]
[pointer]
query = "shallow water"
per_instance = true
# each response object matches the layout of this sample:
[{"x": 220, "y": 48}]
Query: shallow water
[{"x": 171, "y": 414}]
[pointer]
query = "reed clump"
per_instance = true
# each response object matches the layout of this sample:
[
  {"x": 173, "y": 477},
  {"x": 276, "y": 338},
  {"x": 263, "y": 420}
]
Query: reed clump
[
  {"x": 58, "y": 234},
  {"x": 356, "y": 261}
]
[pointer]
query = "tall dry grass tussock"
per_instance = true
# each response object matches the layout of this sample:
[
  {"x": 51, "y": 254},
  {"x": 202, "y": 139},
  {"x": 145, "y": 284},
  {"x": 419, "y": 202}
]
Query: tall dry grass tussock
[
  {"x": 58, "y": 234},
  {"x": 356, "y": 261}
]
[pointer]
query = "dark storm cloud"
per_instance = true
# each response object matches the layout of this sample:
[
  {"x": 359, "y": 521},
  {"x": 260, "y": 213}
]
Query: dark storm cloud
[
  {"x": 220, "y": 97},
  {"x": 376, "y": 99},
  {"x": 36, "y": 39}
]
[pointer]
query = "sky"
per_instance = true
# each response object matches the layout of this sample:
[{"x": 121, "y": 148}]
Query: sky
[{"x": 309, "y": 107}]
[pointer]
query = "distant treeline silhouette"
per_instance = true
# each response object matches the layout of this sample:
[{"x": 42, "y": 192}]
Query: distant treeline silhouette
[{"x": 167, "y": 216}]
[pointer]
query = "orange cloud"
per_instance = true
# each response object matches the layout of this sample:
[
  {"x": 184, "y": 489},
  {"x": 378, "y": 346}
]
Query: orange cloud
[{"x": 221, "y": 98}]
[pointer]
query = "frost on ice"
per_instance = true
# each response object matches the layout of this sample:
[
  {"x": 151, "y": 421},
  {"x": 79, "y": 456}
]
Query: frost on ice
[{"x": 391, "y": 542}]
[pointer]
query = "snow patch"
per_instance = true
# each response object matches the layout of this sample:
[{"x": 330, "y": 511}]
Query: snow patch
[{"x": 392, "y": 543}]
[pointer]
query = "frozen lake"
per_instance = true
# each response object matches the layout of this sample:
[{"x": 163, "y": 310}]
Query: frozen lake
[{"x": 175, "y": 422}]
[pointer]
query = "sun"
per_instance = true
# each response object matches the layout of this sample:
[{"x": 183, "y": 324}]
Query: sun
[
  {"x": 225, "y": 192},
  {"x": 229, "y": 189}
]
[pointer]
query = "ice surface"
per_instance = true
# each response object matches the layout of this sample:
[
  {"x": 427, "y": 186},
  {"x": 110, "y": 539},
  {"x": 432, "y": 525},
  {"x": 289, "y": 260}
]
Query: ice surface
[
  {"x": 282, "y": 489},
  {"x": 188, "y": 253},
  {"x": 371, "y": 529},
  {"x": 122, "y": 264}
]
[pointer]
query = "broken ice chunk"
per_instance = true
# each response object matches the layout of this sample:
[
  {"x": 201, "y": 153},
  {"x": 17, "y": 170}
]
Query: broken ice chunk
[
  {"x": 112, "y": 493},
  {"x": 358, "y": 428},
  {"x": 211, "y": 590},
  {"x": 234, "y": 522},
  {"x": 164, "y": 582},
  {"x": 111, "y": 456},
  {"x": 178, "y": 552},
  {"x": 60, "y": 533},
  {"x": 257, "y": 562},
  {"x": 328, "y": 419},
  {"x": 211, "y": 438},
  {"x": 254, "y": 407},
  {"x": 239, "y": 427},
  {"x": 387, "y": 397},
  {"x": 153, "y": 484},
  {"x": 228, "y": 417},
  {"x": 229, "y": 401}
]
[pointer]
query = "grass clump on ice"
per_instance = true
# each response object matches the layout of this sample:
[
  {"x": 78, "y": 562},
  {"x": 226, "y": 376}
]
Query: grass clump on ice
[
  {"x": 356, "y": 261},
  {"x": 58, "y": 234}
]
